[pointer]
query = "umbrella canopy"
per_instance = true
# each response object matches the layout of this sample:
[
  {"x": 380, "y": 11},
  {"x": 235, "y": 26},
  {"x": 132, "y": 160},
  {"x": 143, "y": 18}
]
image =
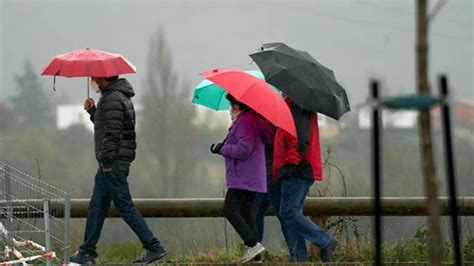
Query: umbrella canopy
[
  {"x": 255, "y": 93},
  {"x": 88, "y": 63},
  {"x": 310, "y": 84},
  {"x": 211, "y": 95}
]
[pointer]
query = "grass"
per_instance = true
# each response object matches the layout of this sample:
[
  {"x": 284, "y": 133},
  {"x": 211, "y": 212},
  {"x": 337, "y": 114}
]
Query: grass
[{"x": 359, "y": 250}]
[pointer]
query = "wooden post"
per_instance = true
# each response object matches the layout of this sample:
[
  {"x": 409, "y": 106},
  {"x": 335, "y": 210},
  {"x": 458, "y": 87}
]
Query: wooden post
[{"x": 426, "y": 147}]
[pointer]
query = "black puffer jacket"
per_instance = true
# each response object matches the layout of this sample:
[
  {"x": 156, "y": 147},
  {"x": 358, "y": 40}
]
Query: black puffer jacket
[{"x": 114, "y": 124}]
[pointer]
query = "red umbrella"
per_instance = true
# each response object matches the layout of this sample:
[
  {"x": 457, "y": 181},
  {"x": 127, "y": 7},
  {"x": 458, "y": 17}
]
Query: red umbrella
[
  {"x": 255, "y": 93},
  {"x": 88, "y": 63}
]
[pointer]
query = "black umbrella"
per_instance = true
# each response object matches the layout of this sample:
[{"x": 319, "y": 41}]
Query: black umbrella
[{"x": 297, "y": 74}]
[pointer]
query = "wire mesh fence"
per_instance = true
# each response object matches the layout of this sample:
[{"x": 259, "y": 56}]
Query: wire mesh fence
[{"x": 34, "y": 220}]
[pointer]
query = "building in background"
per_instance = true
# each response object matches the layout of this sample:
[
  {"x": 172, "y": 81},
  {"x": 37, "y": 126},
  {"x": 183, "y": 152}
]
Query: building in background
[
  {"x": 462, "y": 114},
  {"x": 462, "y": 119},
  {"x": 68, "y": 115},
  {"x": 390, "y": 118},
  {"x": 328, "y": 127}
]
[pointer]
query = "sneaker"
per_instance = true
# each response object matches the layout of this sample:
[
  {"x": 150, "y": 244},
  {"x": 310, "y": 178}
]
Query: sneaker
[
  {"x": 328, "y": 250},
  {"x": 150, "y": 256},
  {"x": 82, "y": 258},
  {"x": 258, "y": 259},
  {"x": 252, "y": 252}
]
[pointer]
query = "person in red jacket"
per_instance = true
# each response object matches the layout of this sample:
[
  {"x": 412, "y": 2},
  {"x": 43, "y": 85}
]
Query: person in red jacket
[{"x": 296, "y": 165}]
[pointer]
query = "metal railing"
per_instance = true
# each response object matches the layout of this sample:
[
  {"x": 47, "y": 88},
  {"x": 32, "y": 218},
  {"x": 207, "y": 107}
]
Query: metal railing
[{"x": 27, "y": 205}]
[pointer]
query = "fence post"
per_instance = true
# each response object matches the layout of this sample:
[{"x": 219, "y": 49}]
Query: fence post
[
  {"x": 376, "y": 169},
  {"x": 47, "y": 229},
  {"x": 450, "y": 169},
  {"x": 67, "y": 219},
  {"x": 9, "y": 216}
]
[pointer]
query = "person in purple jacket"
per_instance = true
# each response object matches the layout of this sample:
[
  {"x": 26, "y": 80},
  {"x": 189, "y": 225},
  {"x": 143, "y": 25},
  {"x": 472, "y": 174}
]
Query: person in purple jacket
[{"x": 244, "y": 153}]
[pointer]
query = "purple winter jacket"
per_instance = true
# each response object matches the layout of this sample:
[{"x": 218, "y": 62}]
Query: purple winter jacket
[{"x": 244, "y": 153}]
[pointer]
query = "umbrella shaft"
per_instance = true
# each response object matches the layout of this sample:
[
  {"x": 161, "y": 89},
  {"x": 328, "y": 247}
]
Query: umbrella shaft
[{"x": 88, "y": 87}]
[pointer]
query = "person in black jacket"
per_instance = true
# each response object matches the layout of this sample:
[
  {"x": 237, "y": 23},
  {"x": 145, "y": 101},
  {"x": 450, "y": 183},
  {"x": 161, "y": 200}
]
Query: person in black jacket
[{"x": 115, "y": 144}]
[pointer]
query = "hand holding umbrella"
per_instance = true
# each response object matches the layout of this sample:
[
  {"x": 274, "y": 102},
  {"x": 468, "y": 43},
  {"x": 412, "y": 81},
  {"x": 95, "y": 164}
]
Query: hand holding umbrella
[{"x": 89, "y": 104}]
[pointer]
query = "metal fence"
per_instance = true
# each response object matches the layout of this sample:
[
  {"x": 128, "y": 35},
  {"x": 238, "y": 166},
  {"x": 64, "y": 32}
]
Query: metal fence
[{"x": 28, "y": 231}]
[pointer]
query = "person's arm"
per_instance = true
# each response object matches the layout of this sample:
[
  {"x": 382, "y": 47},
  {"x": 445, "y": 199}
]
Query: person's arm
[
  {"x": 246, "y": 137},
  {"x": 113, "y": 131}
]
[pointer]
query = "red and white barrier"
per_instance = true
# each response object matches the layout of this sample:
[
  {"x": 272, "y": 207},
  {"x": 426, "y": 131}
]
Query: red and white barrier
[{"x": 18, "y": 255}]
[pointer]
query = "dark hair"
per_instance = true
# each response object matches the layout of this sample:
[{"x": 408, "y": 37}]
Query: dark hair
[
  {"x": 234, "y": 101},
  {"x": 112, "y": 78}
]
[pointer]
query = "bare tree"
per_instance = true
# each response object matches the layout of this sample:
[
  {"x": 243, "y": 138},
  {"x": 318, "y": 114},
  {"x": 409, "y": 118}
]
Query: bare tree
[{"x": 167, "y": 119}]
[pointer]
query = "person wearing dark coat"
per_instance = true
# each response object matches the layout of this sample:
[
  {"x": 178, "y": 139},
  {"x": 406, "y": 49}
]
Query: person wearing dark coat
[{"x": 115, "y": 144}]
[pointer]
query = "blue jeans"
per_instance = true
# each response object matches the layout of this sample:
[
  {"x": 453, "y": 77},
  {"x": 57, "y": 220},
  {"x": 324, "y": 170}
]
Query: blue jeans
[
  {"x": 273, "y": 198},
  {"x": 293, "y": 194},
  {"x": 108, "y": 187}
]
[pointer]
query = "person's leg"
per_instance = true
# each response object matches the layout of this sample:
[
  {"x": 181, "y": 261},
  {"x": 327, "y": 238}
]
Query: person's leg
[
  {"x": 294, "y": 192},
  {"x": 299, "y": 252},
  {"x": 96, "y": 213},
  {"x": 248, "y": 212},
  {"x": 233, "y": 202},
  {"x": 120, "y": 193},
  {"x": 261, "y": 206}
]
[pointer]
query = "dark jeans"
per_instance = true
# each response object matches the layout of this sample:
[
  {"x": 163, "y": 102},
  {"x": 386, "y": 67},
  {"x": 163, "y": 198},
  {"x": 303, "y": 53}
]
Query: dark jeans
[
  {"x": 108, "y": 187},
  {"x": 293, "y": 194},
  {"x": 273, "y": 198},
  {"x": 239, "y": 211}
]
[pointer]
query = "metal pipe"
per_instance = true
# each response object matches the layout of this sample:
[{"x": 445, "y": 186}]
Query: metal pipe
[
  {"x": 9, "y": 207},
  {"x": 47, "y": 229},
  {"x": 88, "y": 82},
  {"x": 376, "y": 171},
  {"x": 314, "y": 206},
  {"x": 67, "y": 218},
  {"x": 450, "y": 170}
]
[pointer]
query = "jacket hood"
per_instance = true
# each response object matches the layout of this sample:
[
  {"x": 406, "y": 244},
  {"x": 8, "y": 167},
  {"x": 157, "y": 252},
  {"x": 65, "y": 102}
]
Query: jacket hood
[{"x": 123, "y": 86}]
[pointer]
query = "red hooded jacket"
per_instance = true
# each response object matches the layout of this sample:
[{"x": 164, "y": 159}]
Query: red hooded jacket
[{"x": 291, "y": 156}]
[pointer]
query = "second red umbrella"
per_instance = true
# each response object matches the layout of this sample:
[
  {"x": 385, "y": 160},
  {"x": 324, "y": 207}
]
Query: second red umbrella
[{"x": 255, "y": 93}]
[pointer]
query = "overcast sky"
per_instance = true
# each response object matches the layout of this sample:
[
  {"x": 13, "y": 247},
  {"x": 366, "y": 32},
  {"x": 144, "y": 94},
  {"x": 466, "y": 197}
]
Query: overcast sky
[{"x": 357, "y": 39}]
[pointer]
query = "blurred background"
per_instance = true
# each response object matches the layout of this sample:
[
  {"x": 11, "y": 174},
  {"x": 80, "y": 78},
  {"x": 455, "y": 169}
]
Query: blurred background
[{"x": 47, "y": 133}]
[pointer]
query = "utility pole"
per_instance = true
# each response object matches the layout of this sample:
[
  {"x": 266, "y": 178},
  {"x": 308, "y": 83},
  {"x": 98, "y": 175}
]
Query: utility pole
[{"x": 426, "y": 146}]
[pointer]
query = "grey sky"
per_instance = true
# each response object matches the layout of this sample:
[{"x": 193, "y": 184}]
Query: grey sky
[{"x": 357, "y": 39}]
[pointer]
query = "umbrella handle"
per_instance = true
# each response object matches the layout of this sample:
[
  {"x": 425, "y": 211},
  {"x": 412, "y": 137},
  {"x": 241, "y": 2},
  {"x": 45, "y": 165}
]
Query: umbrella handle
[
  {"x": 225, "y": 138},
  {"x": 88, "y": 87}
]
